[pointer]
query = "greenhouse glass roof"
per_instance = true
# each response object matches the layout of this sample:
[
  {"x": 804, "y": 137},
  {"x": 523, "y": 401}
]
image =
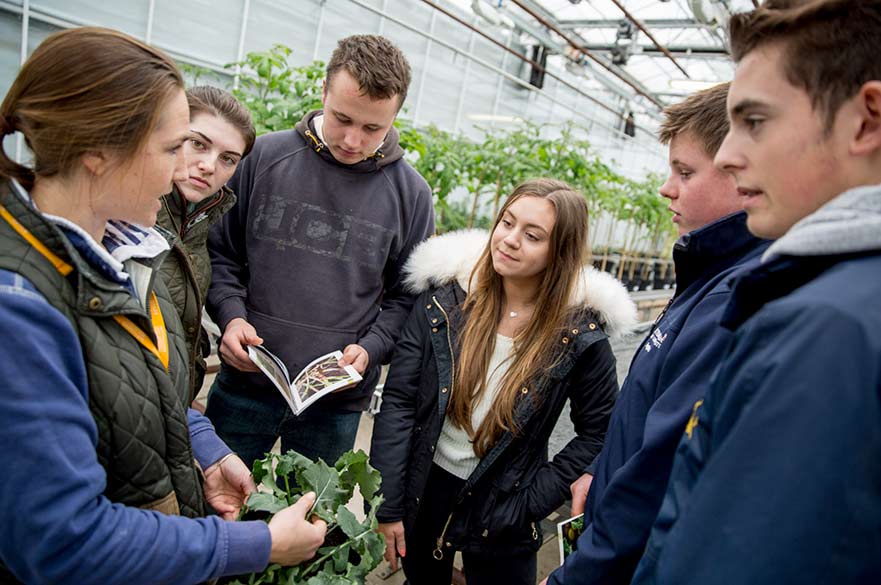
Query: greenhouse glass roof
[{"x": 653, "y": 52}]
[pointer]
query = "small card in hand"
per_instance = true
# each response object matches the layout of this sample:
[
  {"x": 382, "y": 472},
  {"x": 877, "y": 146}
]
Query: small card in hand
[{"x": 568, "y": 532}]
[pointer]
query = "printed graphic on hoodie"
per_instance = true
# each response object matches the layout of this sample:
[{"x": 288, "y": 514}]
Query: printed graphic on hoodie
[{"x": 306, "y": 226}]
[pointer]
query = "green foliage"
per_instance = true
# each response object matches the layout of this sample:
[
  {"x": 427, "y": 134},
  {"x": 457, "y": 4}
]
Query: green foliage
[
  {"x": 480, "y": 173},
  {"x": 276, "y": 93},
  {"x": 488, "y": 170},
  {"x": 198, "y": 75},
  {"x": 352, "y": 548}
]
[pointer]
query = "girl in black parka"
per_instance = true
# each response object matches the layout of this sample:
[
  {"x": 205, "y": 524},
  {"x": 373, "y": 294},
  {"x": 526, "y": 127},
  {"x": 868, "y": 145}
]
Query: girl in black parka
[{"x": 493, "y": 349}]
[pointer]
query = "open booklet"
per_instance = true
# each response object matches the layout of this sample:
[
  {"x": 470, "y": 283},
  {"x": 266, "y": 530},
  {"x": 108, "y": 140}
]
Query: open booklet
[
  {"x": 321, "y": 377},
  {"x": 568, "y": 532}
]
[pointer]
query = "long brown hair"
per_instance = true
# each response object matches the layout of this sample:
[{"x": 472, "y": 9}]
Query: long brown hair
[
  {"x": 85, "y": 90},
  {"x": 206, "y": 99},
  {"x": 537, "y": 347}
]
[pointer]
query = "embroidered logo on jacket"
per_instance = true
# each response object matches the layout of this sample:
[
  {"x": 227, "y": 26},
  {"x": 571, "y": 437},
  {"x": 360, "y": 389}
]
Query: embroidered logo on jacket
[{"x": 656, "y": 339}]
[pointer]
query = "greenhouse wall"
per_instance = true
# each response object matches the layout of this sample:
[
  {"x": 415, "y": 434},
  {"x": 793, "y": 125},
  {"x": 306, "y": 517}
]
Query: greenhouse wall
[{"x": 461, "y": 81}]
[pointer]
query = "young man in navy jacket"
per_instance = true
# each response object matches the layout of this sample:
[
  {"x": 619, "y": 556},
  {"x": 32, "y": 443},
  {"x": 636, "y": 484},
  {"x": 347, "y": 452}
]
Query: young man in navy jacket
[
  {"x": 673, "y": 365},
  {"x": 778, "y": 476}
]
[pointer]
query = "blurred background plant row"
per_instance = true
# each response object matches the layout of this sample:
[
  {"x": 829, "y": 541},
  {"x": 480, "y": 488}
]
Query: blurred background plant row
[{"x": 631, "y": 231}]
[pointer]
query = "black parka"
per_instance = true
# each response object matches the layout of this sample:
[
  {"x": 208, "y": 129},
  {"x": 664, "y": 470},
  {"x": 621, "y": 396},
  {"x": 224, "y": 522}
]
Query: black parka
[{"x": 515, "y": 485}]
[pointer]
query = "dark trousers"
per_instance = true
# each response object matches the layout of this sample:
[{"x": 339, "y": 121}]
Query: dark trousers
[
  {"x": 251, "y": 421},
  {"x": 422, "y": 568}
]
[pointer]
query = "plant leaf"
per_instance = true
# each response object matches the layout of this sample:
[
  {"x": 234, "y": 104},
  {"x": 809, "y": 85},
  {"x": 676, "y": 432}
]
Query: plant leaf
[
  {"x": 349, "y": 524},
  {"x": 266, "y": 502},
  {"x": 327, "y": 579},
  {"x": 355, "y": 469},
  {"x": 341, "y": 558},
  {"x": 325, "y": 482}
]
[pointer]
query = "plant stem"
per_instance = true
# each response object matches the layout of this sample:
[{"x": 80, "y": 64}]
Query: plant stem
[{"x": 317, "y": 562}]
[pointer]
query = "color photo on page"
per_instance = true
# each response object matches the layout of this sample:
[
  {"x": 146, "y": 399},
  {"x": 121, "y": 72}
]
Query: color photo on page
[
  {"x": 568, "y": 532},
  {"x": 321, "y": 377}
]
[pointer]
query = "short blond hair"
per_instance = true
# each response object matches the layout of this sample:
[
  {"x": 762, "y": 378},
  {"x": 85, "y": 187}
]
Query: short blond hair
[{"x": 704, "y": 114}]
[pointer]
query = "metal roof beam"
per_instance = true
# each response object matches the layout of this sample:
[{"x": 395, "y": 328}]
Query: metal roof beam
[
  {"x": 530, "y": 7},
  {"x": 680, "y": 51},
  {"x": 573, "y": 24}
]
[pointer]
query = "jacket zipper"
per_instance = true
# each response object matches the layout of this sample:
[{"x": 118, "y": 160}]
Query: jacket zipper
[
  {"x": 184, "y": 228},
  {"x": 449, "y": 344},
  {"x": 438, "y": 552}
]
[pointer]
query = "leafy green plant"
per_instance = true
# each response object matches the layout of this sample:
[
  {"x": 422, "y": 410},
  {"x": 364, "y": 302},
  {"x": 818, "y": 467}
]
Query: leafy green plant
[
  {"x": 277, "y": 93},
  {"x": 352, "y": 548}
]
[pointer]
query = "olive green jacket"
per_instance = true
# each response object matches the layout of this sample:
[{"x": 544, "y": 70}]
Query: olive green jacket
[
  {"x": 187, "y": 268},
  {"x": 140, "y": 407}
]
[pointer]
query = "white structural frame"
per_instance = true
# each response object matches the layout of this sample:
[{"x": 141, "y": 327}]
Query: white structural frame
[{"x": 49, "y": 16}]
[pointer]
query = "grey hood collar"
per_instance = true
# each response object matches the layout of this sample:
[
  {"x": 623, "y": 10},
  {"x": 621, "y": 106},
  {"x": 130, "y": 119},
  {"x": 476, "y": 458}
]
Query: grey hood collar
[{"x": 849, "y": 223}]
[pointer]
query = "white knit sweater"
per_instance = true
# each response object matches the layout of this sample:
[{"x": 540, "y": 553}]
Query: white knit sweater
[{"x": 455, "y": 451}]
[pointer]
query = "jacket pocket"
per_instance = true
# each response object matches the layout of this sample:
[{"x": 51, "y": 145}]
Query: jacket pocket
[
  {"x": 166, "y": 505},
  {"x": 505, "y": 515}
]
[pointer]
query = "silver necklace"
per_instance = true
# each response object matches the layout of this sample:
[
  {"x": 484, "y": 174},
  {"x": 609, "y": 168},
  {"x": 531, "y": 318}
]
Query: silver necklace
[{"x": 514, "y": 314}]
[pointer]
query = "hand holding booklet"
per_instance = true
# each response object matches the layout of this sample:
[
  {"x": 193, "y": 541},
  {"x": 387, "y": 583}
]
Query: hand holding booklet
[{"x": 321, "y": 377}]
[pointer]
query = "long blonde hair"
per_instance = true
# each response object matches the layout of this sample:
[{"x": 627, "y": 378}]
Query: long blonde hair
[{"x": 537, "y": 347}]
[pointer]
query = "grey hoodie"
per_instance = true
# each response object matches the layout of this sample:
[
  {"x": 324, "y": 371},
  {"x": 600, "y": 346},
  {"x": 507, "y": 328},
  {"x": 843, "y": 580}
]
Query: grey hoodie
[
  {"x": 849, "y": 223},
  {"x": 314, "y": 248}
]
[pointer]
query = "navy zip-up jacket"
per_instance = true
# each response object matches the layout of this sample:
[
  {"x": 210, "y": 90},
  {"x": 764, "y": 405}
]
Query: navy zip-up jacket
[
  {"x": 777, "y": 480},
  {"x": 671, "y": 369}
]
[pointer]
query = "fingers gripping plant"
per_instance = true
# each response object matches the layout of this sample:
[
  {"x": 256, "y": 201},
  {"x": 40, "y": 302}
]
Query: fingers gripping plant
[{"x": 352, "y": 548}]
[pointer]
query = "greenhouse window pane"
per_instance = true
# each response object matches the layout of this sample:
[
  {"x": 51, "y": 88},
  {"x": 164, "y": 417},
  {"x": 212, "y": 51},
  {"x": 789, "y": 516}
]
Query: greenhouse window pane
[
  {"x": 274, "y": 21},
  {"x": 10, "y": 49},
  {"x": 129, "y": 16},
  {"x": 205, "y": 29}
]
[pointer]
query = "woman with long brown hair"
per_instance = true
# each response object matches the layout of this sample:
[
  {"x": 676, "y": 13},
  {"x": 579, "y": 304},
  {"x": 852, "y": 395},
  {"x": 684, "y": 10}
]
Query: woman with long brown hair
[
  {"x": 494, "y": 348},
  {"x": 101, "y": 458}
]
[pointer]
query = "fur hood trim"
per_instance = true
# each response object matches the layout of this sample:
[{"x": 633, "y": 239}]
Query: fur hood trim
[{"x": 450, "y": 257}]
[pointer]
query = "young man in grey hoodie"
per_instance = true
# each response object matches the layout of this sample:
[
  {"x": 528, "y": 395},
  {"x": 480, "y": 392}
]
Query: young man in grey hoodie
[
  {"x": 778, "y": 476},
  {"x": 309, "y": 260}
]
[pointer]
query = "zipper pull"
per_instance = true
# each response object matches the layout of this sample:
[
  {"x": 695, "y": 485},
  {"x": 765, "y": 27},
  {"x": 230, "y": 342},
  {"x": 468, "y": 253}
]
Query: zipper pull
[
  {"x": 534, "y": 531},
  {"x": 438, "y": 552}
]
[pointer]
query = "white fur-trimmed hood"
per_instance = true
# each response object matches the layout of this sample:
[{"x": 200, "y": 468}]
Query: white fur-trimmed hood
[{"x": 450, "y": 257}]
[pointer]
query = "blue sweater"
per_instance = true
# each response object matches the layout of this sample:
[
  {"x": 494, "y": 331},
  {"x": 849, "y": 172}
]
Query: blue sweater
[
  {"x": 670, "y": 370},
  {"x": 57, "y": 525}
]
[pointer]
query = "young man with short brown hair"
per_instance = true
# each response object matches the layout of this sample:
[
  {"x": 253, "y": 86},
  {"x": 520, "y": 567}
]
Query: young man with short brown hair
[
  {"x": 309, "y": 261},
  {"x": 674, "y": 363},
  {"x": 777, "y": 478},
  {"x": 379, "y": 68}
]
